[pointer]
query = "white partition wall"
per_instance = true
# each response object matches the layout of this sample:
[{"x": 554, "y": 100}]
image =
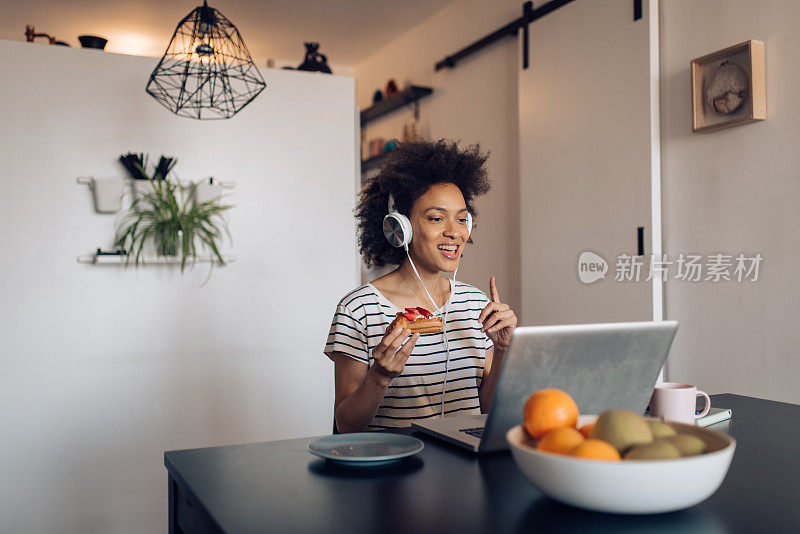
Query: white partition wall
[
  {"x": 585, "y": 163},
  {"x": 102, "y": 369}
]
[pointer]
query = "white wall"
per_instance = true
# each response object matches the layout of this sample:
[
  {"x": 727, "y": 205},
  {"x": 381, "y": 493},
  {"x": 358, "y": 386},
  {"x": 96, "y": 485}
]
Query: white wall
[
  {"x": 476, "y": 102},
  {"x": 734, "y": 191},
  {"x": 103, "y": 369}
]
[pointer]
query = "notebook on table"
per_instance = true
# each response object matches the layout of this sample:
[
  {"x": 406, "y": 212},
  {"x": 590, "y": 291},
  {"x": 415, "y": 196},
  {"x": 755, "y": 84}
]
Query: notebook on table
[{"x": 714, "y": 416}]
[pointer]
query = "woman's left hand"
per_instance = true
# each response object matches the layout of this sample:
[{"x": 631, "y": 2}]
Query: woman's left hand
[{"x": 499, "y": 320}]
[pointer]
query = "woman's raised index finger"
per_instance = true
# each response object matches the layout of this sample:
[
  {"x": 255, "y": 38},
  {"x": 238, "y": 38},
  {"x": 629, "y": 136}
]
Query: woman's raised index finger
[{"x": 493, "y": 290}]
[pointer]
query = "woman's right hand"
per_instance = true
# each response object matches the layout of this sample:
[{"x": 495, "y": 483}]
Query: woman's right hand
[{"x": 392, "y": 353}]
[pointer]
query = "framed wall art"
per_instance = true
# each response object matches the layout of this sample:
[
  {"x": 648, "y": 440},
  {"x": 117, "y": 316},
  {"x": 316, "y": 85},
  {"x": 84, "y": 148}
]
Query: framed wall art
[{"x": 729, "y": 87}]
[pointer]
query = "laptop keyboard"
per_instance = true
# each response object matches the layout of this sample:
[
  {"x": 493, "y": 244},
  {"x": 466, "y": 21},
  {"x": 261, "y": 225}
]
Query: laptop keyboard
[{"x": 476, "y": 432}]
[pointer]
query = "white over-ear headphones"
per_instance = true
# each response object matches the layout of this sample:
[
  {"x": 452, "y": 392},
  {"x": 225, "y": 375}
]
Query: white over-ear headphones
[{"x": 397, "y": 227}]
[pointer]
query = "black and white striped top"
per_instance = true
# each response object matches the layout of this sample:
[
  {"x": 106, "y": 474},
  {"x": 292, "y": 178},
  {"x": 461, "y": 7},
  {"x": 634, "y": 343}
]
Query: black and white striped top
[{"x": 359, "y": 324}]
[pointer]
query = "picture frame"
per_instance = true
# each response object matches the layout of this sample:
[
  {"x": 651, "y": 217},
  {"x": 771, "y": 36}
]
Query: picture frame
[{"x": 729, "y": 87}]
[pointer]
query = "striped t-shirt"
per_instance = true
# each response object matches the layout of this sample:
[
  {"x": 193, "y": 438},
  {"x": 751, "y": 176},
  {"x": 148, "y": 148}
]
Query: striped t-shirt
[{"x": 359, "y": 324}]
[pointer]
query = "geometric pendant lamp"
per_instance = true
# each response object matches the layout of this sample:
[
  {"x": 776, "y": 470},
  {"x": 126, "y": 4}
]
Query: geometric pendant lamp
[{"x": 207, "y": 71}]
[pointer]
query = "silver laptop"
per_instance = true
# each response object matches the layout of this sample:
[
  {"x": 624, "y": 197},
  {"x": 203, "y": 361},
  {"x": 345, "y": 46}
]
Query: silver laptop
[{"x": 603, "y": 366}]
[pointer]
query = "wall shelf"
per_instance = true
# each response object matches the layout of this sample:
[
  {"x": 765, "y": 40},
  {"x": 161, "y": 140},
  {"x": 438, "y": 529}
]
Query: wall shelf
[
  {"x": 407, "y": 96},
  {"x": 119, "y": 259}
]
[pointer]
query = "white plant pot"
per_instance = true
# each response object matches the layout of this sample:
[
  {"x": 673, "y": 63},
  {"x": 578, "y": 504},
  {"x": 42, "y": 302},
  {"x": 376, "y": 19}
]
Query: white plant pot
[
  {"x": 205, "y": 192},
  {"x": 107, "y": 194}
]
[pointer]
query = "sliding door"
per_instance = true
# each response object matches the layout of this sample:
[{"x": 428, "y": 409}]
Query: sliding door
[{"x": 585, "y": 154}]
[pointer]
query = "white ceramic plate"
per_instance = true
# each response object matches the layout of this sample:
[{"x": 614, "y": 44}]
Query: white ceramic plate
[
  {"x": 628, "y": 486},
  {"x": 365, "y": 448}
]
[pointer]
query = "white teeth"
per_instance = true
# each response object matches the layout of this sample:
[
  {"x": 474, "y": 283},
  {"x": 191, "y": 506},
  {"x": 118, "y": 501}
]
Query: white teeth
[{"x": 451, "y": 248}]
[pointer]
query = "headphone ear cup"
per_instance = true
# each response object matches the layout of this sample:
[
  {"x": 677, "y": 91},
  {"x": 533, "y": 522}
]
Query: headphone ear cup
[
  {"x": 469, "y": 224},
  {"x": 408, "y": 232},
  {"x": 397, "y": 229}
]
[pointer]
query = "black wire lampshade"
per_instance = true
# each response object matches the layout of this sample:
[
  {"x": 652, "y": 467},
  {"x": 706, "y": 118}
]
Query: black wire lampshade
[{"x": 207, "y": 71}]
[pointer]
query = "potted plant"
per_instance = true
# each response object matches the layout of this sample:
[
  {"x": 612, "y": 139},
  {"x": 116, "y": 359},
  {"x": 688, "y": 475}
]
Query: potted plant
[{"x": 168, "y": 216}]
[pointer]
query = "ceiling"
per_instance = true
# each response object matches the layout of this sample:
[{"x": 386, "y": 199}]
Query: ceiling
[{"x": 348, "y": 30}]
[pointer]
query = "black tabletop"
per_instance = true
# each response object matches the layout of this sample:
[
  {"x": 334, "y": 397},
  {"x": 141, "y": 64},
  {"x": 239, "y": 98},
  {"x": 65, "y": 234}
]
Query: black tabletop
[{"x": 279, "y": 487}]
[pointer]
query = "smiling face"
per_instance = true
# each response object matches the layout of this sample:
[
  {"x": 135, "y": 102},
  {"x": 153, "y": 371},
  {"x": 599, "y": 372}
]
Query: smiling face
[{"x": 439, "y": 222}]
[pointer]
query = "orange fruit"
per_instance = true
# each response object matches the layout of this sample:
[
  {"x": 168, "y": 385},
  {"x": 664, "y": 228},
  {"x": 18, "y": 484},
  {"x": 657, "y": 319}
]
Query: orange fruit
[
  {"x": 548, "y": 409},
  {"x": 596, "y": 449},
  {"x": 586, "y": 429},
  {"x": 560, "y": 440}
]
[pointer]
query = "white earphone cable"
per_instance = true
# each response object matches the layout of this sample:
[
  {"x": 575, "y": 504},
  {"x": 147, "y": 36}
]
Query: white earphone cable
[
  {"x": 444, "y": 324},
  {"x": 435, "y": 306},
  {"x": 446, "y": 345}
]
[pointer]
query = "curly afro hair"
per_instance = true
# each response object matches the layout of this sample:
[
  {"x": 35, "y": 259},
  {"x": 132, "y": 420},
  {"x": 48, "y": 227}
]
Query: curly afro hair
[{"x": 408, "y": 172}]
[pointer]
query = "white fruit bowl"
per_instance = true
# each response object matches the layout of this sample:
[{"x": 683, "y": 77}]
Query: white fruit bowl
[{"x": 627, "y": 486}]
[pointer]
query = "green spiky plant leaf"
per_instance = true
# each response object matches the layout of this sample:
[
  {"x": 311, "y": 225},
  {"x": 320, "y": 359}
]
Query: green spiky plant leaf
[{"x": 168, "y": 216}]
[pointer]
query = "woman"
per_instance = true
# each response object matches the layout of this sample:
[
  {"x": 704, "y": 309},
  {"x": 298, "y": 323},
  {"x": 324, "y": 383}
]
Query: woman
[{"x": 386, "y": 379}]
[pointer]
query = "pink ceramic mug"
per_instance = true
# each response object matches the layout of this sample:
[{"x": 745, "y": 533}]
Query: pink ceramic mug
[{"x": 673, "y": 401}]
